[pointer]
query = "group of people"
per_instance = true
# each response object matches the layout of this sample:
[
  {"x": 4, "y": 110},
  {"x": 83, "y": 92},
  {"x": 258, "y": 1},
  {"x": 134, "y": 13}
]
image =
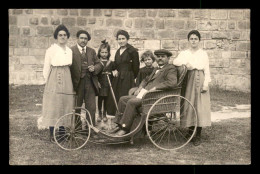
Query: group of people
[{"x": 79, "y": 71}]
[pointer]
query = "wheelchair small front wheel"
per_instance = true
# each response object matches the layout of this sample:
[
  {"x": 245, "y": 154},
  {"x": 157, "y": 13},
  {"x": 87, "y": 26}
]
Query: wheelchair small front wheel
[{"x": 71, "y": 131}]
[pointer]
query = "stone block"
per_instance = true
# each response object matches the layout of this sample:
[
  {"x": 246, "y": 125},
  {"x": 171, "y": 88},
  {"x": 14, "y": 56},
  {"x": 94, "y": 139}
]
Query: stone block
[
  {"x": 43, "y": 11},
  {"x": 44, "y": 31},
  {"x": 128, "y": 23},
  {"x": 214, "y": 54},
  {"x": 69, "y": 21},
  {"x": 238, "y": 54},
  {"x": 55, "y": 21},
  {"x": 237, "y": 71},
  {"x": 14, "y": 60},
  {"x": 231, "y": 25},
  {"x": 204, "y": 35},
  {"x": 97, "y": 12},
  {"x": 218, "y": 14},
  {"x": 36, "y": 52},
  {"x": 183, "y": 44},
  {"x": 166, "y": 34},
  {"x": 247, "y": 14},
  {"x": 17, "y": 11},
  {"x": 243, "y": 46},
  {"x": 184, "y": 13},
  {"x": 238, "y": 63},
  {"x": 220, "y": 35},
  {"x": 226, "y": 54},
  {"x": 222, "y": 25},
  {"x": 147, "y": 34},
  {"x": 245, "y": 35},
  {"x": 12, "y": 41},
  {"x": 152, "y": 12},
  {"x": 21, "y": 51},
  {"x": 167, "y": 13},
  {"x": 120, "y": 12},
  {"x": 190, "y": 25},
  {"x": 28, "y": 11},
  {"x": 137, "y": 43},
  {"x": 91, "y": 20},
  {"x": 175, "y": 24},
  {"x": 152, "y": 44},
  {"x": 235, "y": 14},
  {"x": 12, "y": 20},
  {"x": 11, "y": 51},
  {"x": 210, "y": 44},
  {"x": 102, "y": 33},
  {"x": 26, "y": 31},
  {"x": 14, "y": 30},
  {"x": 31, "y": 60},
  {"x": 170, "y": 44},
  {"x": 243, "y": 25},
  {"x": 201, "y": 14},
  {"x": 38, "y": 42},
  {"x": 99, "y": 22},
  {"x": 144, "y": 23},
  {"x": 23, "y": 42},
  {"x": 62, "y": 12},
  {"x": 81, "y": 21},
  {"x": 136, "y": 13},
  {"x": 114, "y": 22},
  {"x": 74, "y": 12},
  {"x": 236, "y": 35},
  {"x": 34, "y": 21},
  {"x": 85, "y": 12},
  {"x": 182, "y": 34},
  {"x": 108, "y": 12},
  {"x": 159, "y": 24},
  {"x": 44, "y": 20},
  {"x": 207, "y": 25}
]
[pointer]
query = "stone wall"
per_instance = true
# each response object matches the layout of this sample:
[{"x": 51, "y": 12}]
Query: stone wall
[{"x": 225, "y": 36}]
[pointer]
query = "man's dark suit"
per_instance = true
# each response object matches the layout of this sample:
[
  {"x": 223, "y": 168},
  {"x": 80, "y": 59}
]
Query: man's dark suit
[
  {"x": 86, "y": 87},
  {"x": 165, "y": 78}
]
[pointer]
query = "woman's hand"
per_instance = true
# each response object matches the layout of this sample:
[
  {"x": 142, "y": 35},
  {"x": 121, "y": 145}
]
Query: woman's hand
[
  {"x": 204, "y": 89},
  {"x": 91, "y": 68},
  {"x": 115, "y": 73}
]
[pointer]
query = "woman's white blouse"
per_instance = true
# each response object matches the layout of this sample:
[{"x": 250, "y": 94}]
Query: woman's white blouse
[
  {"x": 198, "y": 60},
  {"x": 56, "y": 56}
]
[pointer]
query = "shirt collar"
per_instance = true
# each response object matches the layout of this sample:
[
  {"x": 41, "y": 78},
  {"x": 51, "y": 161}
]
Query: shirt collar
[{"x": 80, "y": 48}]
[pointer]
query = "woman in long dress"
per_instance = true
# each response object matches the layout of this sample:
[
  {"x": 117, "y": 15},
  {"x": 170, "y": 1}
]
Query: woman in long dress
[
  {"x": 198, "y": 78},
  {"x": 58, "y": 92},
  {"x": 126, "y": 66}
]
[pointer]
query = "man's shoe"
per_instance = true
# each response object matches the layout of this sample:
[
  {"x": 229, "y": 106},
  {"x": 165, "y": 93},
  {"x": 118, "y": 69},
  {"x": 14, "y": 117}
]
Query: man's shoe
[
  {"x": 104, "y": 118},
  {"x": 99, "y": 118},
  {"x": 112, "y": 131},
  {"x": 196, "y": 141},
  {"x": 120, "y": 132}
]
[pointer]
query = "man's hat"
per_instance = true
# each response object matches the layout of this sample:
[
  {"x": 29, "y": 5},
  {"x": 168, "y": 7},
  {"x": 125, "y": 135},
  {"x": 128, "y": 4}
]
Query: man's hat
[{"x": 163, "y": 51}]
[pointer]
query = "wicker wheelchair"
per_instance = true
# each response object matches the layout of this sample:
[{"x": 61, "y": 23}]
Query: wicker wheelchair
[{"x": 162, "y": 117}]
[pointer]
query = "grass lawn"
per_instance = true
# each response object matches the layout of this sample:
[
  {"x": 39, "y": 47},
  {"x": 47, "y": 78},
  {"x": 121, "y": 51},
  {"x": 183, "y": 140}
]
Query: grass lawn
[{"x": 225, "y": 142}]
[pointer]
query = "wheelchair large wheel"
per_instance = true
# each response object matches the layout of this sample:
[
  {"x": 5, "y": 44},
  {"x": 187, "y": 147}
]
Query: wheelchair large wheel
[
  {"x": 71, "y": 131},
  {"x": 169, "y": 123}
]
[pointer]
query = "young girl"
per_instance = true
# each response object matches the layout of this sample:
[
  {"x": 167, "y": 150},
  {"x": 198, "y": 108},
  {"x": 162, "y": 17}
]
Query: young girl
[
  {"x": 103, "y": 55},
  {"x": 148, "y": 59}
]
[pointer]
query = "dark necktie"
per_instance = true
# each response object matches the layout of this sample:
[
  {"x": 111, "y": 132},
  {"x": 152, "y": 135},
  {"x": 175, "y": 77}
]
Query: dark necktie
[{"x": 83, "y": 52}]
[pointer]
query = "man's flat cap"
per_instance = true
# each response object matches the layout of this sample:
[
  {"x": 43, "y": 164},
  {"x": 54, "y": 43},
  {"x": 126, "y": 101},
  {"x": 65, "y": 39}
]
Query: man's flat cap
[{"x": 163, "y": 51}]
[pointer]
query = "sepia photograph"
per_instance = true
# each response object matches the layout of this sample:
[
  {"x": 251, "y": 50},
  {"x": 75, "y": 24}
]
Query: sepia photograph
[{"x": 135, "y": 86}]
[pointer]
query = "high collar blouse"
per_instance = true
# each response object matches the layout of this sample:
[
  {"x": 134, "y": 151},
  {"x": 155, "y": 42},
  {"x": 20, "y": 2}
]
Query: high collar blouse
[
  {"x": 56, "y": 56},
  {"x": 198, "y": 60}
]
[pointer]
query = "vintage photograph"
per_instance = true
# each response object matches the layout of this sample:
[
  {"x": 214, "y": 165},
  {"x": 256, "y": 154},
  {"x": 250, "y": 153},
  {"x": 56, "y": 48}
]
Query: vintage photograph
[{"x": 117, "y": 86}]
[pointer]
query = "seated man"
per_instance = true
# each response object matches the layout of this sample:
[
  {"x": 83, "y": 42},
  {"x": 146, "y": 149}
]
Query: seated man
[{"x": 162, "y": 78}]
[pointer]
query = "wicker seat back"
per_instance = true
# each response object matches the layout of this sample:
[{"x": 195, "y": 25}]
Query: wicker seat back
[{"x": 167, "y": 104}]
